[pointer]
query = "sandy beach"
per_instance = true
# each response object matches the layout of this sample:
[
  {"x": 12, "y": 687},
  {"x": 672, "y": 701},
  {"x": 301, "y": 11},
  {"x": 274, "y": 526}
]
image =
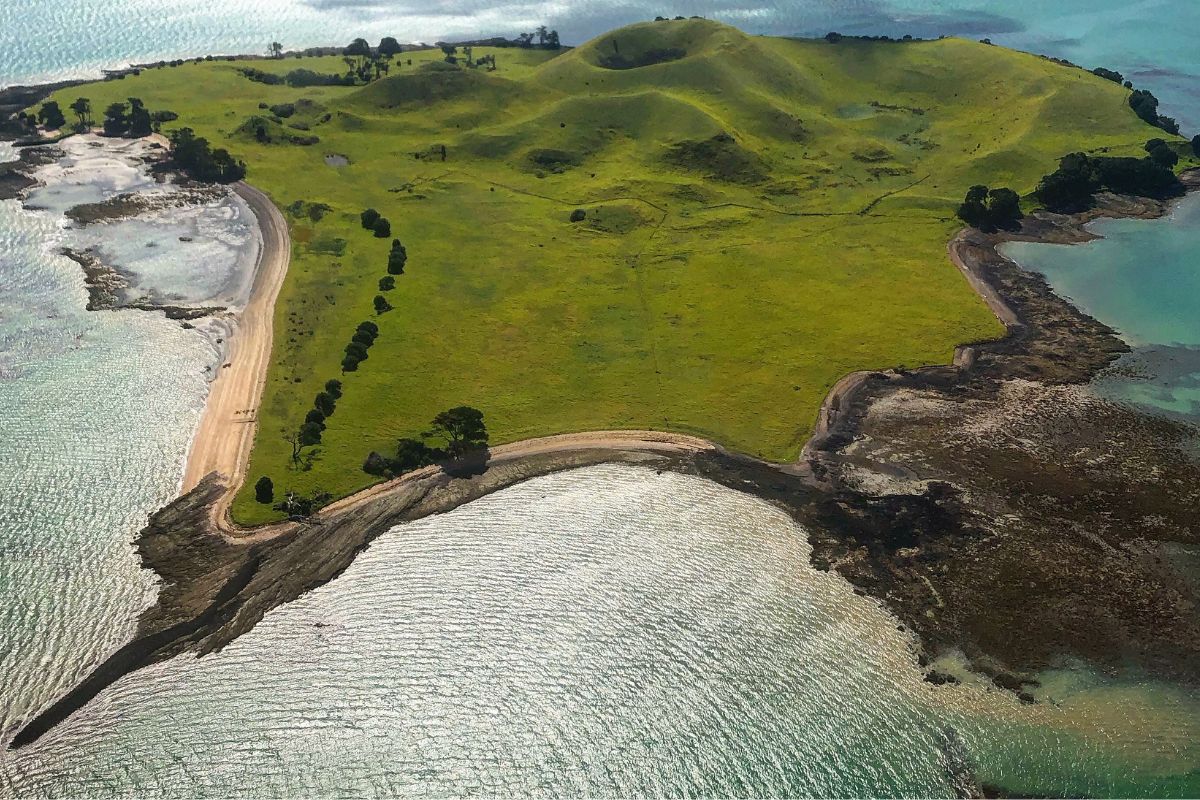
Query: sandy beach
[{"x": 226, "y": 432}]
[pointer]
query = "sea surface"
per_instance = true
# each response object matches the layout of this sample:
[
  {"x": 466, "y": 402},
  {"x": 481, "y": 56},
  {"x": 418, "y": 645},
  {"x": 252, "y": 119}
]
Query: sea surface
[
  {"x": 1143, "y": 279},
  {"x": 608, "y": 631}
]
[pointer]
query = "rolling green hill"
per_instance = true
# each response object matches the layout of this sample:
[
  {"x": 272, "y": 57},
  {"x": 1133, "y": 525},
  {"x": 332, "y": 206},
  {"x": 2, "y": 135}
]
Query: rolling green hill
[{"x": 763, "y": 216}]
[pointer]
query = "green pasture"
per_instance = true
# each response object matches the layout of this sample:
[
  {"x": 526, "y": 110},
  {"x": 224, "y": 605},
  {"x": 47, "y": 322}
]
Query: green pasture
[{"x": 763, "y": 216}]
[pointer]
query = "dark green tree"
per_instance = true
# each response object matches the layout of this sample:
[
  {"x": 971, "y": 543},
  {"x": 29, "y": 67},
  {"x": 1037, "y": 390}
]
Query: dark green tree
[
  {"x": 369, "y": 218},
  {"x": 276, "y": 50},
  {"x": 310, "y": 434},
  {"x": 371, "y": 327},
  {"x": 397, "y": 258},
  {"x": 83, "y": 110},
  {"x": 334, "y": 388},
  {"x": 140, "y": 122},
  {"x": 412, "y": 454},
  {"x": 51, "y": 116},
  {"x": 325, "y": 402},
  {"x": 356, "y": 350},
  {"x": 382, "y": 228},
  {"x": 116, "y": 120},
  {"x": 387, "y": 283},
  {"x": 264, "y": 490},
  {"x": 359, "y": 48},
  {"x": 1196, "y": 145},
  {"x": 463, "y": 429},
  {"x": 381, "y": 304},
  {"x": 317, "y": 416},
  {"x": 973, "y": 210},
  {"x": 388, "y": 46},
  {"x": 1164, "y": 156}
]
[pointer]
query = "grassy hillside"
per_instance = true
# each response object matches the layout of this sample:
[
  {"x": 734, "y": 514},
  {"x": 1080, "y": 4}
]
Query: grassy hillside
[{"x": 763, "y": 216}]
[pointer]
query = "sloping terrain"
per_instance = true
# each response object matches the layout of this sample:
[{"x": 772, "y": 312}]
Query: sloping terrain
[{"x": 760, "y": 217}]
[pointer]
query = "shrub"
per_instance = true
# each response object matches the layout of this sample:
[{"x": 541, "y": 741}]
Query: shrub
[
  {"x": 578, "y": 215},
  {"x": 382, "y": 228},
  {"x": 387, "y": 283},
  {"x": 381, "y": 304},
  {"x": 264, "y": 490},
  {"x": 369, "y": 218}
]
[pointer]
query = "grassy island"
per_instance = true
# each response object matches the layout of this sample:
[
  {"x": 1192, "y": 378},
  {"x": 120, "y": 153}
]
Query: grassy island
[{"x": 676, "y": 226}]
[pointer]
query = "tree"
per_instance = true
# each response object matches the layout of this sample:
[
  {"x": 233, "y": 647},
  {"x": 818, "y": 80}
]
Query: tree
[
  {"x": 357, "y": 351},
  {"x": 833, "y": 37},
  {"x": 524, "y": 39},
  {"x": 140, "y": 122},
  {"x": 116, "y": 122},
  {"x": 388, "y": 46},
  {"x": 51, "y": 116},
  {"x": 449, "y": 51},
  {"x": 367, "y": 325},
  {"x": 1164, "y": 156},
  {"x": 310, "y": 434},
  {"x": 552, "y": 40},
  {"x": 541, "y": 35},
  {"x": 325, "y": 402},
  {"x": 369, "y": 218},
  {"x": 334, "y": 388},
  {"x": 387, "y": 283},
  {"x": 1145, "y": 105},
  {"x": 990, "y": 209},
  {"x": 412, "y": 454},
  {"x": 264, "y": 490},
  {"x": 317, "y": 416},
  {"x": 1196, "y": 145},
  {"x": 397, "y": 258},
  {"x": 463, "y": 429},
  {"x": 358, "y": 48},
  {"x": 973, "y": 210},
  {"x": 276, "y": 50},
  {"x": 83, "y": 110},
  {"x": 1109, "y": 74},
  {"x": 381, "y": 304},
  {"x": 382, "y": 228}
]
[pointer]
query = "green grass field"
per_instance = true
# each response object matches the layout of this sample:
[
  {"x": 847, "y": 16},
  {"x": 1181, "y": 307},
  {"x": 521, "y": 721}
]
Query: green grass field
[{"x": 718, "y": 286}]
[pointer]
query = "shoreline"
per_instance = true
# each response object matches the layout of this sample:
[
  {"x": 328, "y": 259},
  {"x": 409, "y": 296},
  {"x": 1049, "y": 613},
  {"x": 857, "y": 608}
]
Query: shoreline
[{"x": 220, "y": 579}]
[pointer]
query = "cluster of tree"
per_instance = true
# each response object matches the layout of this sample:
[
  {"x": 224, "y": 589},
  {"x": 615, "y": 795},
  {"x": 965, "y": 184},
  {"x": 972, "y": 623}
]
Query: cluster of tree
[
  {"x": 374, "y": 222},
  {"x": 132, "y": 119},
  {"x": 193, "y": 155},
  {"x": 450, "y": 52},
  {"x": 1112, "y": 75},
  {"x": 298, "y": 78},
  {"x": 356, "y": 352},
  {"x": 461, "y": 428},
  {"x": 1145, "y": 105},
  {"x": 546, "y": 39},
  {"x": 1196, "y": 145},
  {"x": 991, "y": 209},
  {"x": 50, "y": 116},
  {"x": 1073, "y": 185},
  {"x": 324, "y": 404},
  {"x": 833, "y": 37}
]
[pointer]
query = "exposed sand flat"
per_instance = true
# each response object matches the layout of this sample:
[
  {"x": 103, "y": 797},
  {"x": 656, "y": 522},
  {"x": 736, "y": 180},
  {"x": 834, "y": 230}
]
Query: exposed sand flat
[{"x": 226, "y": 432}]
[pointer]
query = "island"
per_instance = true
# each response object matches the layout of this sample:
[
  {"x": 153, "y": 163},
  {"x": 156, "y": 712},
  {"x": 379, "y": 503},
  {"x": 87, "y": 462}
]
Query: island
[{"x": 678, "y": 244}]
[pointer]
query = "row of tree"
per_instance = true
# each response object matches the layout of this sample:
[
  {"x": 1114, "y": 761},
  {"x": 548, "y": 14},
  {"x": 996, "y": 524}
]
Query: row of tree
[
  {"x": 311, "y": 430},
  {"x": 461, "y": 430},
  {"x": 356, "y": 352}
]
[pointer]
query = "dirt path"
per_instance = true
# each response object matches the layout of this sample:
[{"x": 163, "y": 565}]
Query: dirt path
[{"x": 226, "y": 433}]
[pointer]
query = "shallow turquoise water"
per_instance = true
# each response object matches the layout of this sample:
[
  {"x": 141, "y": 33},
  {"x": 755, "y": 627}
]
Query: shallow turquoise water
[{"x": 1143, "y": 279}]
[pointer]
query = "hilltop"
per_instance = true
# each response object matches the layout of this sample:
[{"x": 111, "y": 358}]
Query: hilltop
[{"x": 675, "y": 226}]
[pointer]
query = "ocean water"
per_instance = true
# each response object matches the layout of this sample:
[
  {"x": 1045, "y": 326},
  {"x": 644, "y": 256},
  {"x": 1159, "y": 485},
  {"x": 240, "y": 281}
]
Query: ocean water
[
  {"x": 1143, "y": 279},
  {"x": 1151, "y": 41},
  {"x": 611, "y": 631}
]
